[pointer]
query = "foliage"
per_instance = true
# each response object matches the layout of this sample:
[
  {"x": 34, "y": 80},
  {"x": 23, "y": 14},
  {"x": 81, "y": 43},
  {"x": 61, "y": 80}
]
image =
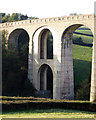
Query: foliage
[
  {"x": 50, "y": 46},
  {"x": 14, "y": 70},
  {"x": 83, "y": 92},
  {"x": 5, "y": 18},
  {"x": 22, "y": 103},
  {"x": 84, "y": 39},
  {"x": 82, "y": 57},
  {"x": 15, "y": 17}
]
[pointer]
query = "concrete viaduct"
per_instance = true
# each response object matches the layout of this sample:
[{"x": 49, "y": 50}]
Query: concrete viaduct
[{"x": 61, "y": 64}]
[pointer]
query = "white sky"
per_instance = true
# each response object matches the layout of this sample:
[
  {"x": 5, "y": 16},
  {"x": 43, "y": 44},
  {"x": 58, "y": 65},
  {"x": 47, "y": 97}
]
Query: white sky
[{"x": 47, "y": 8}]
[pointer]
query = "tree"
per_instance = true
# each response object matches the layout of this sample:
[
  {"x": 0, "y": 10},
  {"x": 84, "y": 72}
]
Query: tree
[
  {"x": 5, "y": 18},
  {"x": 15, "y": 17},
  {"x": 14, "y": 70}
]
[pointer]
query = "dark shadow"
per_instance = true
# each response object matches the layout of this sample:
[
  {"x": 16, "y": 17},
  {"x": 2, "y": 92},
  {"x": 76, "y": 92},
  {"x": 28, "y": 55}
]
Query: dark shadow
[
  {"x": 46, "y": 82},
  {"x": 15, "y": 66},
  {"x": 82, "y": 79}
]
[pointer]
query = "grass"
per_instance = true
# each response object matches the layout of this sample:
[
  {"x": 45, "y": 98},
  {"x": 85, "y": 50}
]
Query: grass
[
  {"x": 43, "y": 113},
  {"x": 85, "y": 39},
  {"x": 16, "y": 100},
  {"x": 82, "y": 53},
  {"x": 82, "y": 60},
  {"x": 84, "y": 31},
  {"x": 82, "y": 57},
  {"x": 48, "y": 113}
]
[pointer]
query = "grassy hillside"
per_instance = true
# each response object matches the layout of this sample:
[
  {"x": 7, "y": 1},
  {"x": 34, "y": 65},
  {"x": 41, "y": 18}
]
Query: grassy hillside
[
  {"x": 85, "y": 39},
  {"x": 82, "y": 58},
  {"x": 82, "y": 63},
  {"x": 84, "y": 31}
]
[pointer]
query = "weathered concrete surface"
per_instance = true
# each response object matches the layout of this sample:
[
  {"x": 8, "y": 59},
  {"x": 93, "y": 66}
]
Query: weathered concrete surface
[{"x": 62, "y": 62}]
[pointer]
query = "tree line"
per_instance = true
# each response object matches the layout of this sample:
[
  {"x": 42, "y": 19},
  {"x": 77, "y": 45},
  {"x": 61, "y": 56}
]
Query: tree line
[{"x": 15, "y": 17}]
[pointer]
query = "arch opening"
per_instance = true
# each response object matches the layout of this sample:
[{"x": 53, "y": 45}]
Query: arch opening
[
  {"x": 46, "y": 44},
  {"x": 76, "y": 58},
  {"x": 46, "y": 79},
  {"x": 19, "y": 42}
]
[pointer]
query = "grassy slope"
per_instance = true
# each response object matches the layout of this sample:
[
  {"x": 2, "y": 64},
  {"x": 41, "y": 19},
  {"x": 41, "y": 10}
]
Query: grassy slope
[
  {"x": 86, "y": 39},
  {"x": 82, "y": 63},
  {"x": 82, "y": 57},
  {"x": 84, "y": 31}
]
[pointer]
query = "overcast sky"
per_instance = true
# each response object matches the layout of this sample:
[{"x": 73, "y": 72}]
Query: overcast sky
[{"x": 47, "y": 8}]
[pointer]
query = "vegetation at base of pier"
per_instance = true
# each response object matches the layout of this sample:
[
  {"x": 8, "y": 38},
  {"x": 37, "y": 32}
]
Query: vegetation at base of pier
[{"x": 14, "y": 69}]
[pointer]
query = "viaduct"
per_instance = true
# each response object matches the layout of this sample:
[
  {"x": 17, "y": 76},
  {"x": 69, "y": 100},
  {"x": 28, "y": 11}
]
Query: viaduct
[{"x": 60, "y": 63}]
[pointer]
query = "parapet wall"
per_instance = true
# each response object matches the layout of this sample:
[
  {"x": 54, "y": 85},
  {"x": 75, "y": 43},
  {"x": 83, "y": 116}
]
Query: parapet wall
[{"x": 48, "y": 20}]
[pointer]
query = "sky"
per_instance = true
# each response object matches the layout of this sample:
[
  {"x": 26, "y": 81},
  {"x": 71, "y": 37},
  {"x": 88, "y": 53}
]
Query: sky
[{"x": 47, "y": 8}]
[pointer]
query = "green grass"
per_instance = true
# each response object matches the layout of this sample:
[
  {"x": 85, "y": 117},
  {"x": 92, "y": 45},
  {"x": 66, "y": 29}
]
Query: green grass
[
  {"x": 82, "y": 60},
  {"x": 82, "y": 53},
  {"x": 84, "y": 31},
  {"x": 85, "y": 39},
  {"x": 82, "y": 57},
  {"x": 48, "y": 113}
]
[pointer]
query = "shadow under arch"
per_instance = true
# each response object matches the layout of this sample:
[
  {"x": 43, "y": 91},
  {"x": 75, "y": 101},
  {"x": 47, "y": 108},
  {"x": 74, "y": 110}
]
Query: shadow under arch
[
  {"x": 66, "y": 56},
  {"x": 36, "y": 39},
  {"x": 45, "y": 44},
  {"x": 17, "y": 36},
  {"x": 45, "y": 78},
  {"x": 19, "y": 41}
]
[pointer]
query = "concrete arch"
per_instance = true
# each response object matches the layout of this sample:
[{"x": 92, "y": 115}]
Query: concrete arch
[
  {"x": 78, "y": 24},
  {"x": 37, "y": 62},
  {"x": 44, "y": 78},
  {"x": 37, "y": 35},
  {"x": 45, "y": 45},
  {"x": 67, "y": 61}
]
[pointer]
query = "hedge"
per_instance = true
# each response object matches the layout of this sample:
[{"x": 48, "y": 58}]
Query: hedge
[{"x": 84, "y": 106}]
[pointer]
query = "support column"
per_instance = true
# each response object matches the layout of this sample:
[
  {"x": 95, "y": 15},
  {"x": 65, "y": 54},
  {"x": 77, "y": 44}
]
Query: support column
[{"x": 67, "y": 81}]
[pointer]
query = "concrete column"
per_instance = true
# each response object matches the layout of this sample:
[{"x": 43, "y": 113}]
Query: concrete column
[{"x": 67, "y": 81}]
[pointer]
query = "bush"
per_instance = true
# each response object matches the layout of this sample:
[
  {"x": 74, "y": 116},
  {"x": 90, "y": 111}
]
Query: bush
[
  {"x": 83, "y": 92},
  {"x": 48, "y": 104}
]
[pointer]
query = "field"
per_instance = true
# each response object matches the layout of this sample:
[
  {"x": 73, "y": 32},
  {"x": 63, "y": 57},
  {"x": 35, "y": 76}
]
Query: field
[
  {"x": 85, "y": 39},
  {"x": 82, "y": 59}
]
